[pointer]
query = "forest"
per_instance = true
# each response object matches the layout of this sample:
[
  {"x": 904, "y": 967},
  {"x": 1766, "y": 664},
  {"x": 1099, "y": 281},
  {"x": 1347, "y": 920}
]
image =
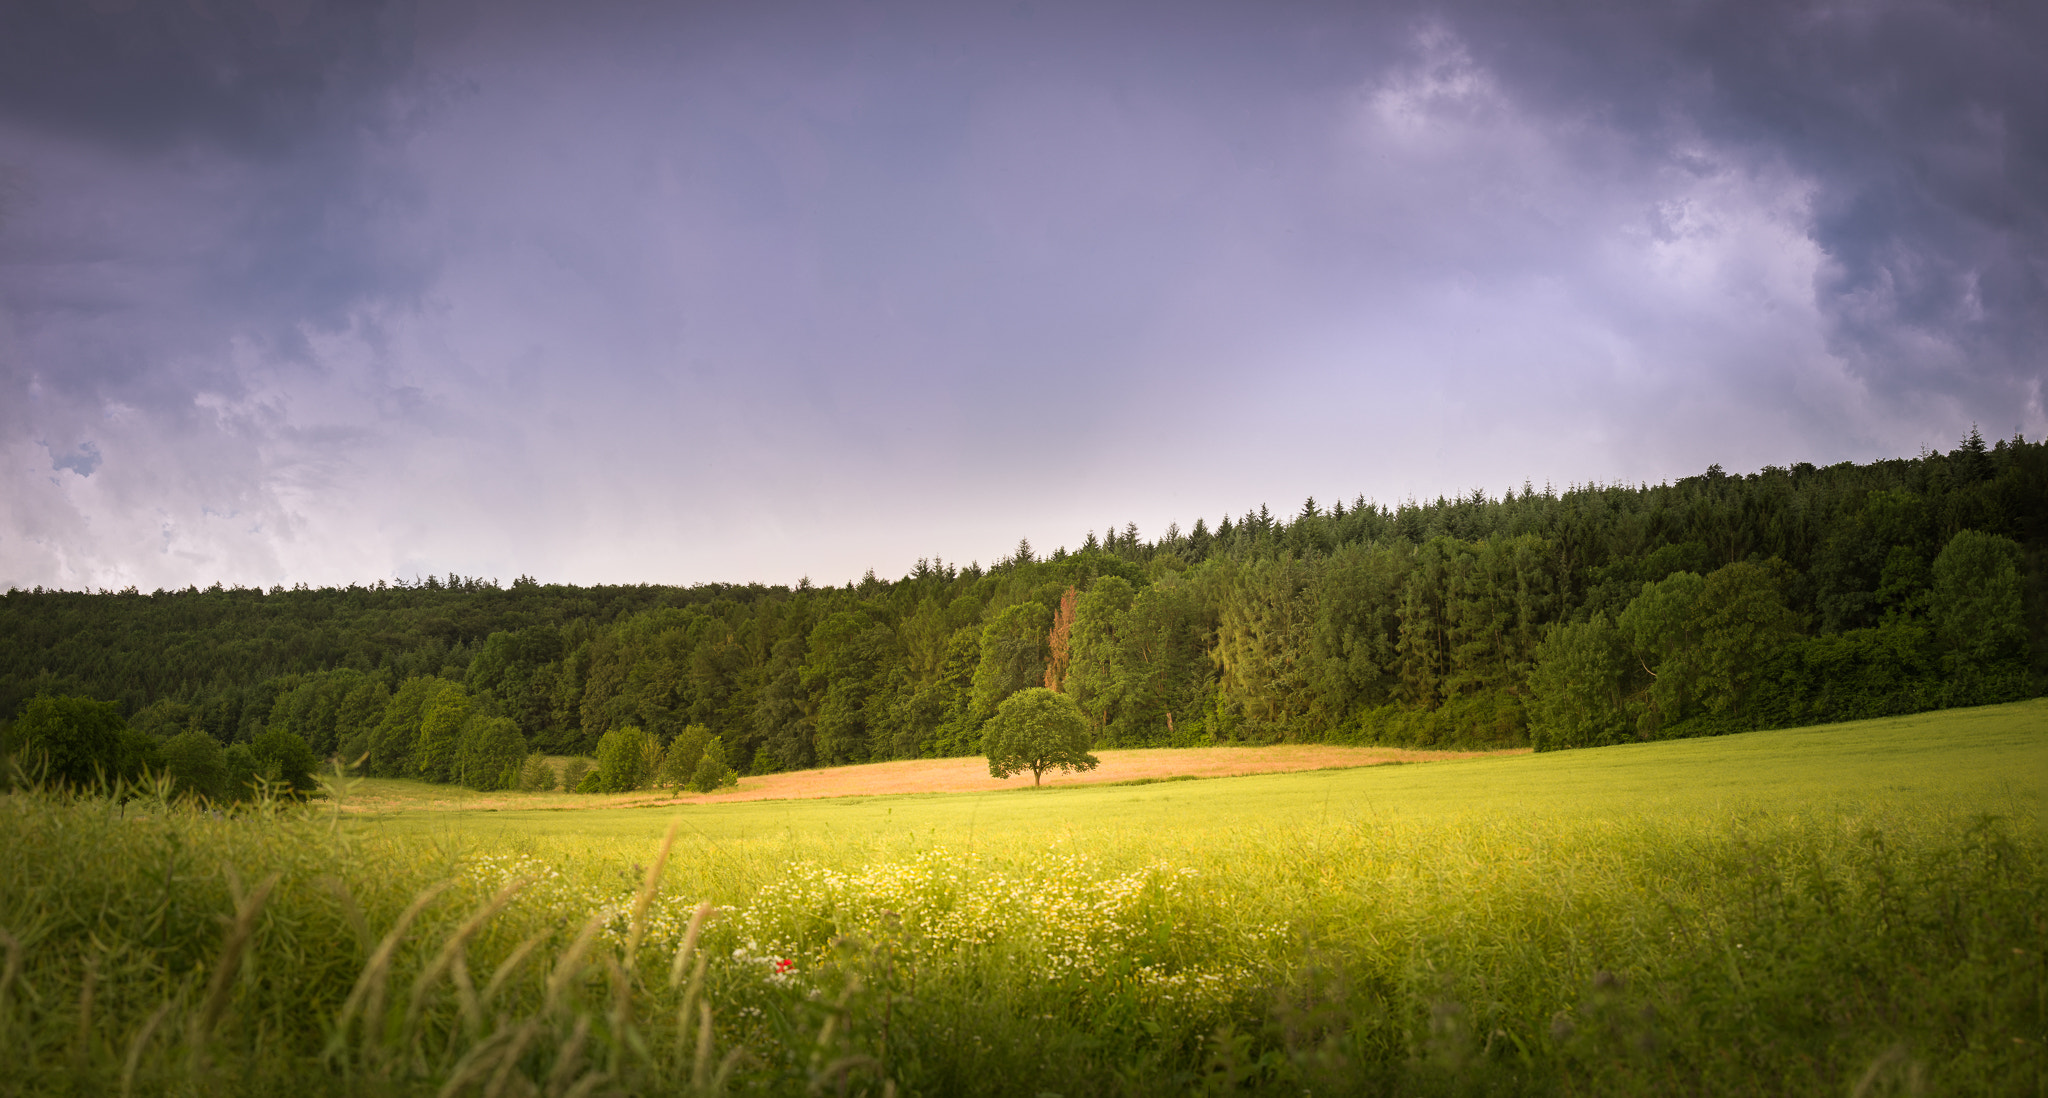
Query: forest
[{"x": 1554, "y": 618}]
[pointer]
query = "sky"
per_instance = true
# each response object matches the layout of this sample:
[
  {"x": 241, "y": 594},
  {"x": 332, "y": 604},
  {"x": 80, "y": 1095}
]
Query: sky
[{"x": 624, "y": 291}]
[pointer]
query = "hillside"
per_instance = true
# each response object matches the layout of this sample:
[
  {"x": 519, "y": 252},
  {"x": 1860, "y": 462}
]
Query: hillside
[{"x": 1590, "y": 615}]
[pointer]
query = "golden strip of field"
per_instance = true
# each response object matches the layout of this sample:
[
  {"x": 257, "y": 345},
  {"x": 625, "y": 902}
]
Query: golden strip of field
[
  {"x": 970, "y": 775},
  {"x": 957, "y": 775}
]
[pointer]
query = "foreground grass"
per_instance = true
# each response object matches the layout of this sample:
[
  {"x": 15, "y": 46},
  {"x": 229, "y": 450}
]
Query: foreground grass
[{"x": 1851, "y": 909}]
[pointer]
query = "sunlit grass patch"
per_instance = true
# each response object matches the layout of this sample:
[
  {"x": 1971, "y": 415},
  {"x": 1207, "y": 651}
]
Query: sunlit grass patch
[{"x": 1798, "y": 912}]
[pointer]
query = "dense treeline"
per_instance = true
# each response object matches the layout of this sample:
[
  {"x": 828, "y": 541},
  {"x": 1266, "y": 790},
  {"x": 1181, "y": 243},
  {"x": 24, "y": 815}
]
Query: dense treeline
[{"x": 1600, "y": 613}]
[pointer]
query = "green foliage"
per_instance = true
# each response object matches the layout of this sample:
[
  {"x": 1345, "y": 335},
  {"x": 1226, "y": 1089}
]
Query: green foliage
[
  {"x": 1261, "y": 650},
  {"x": 536, "y": 775},
  {"x": 71, "y": 741},
  {"x": 489, "y": 754},
  {"x": 679, "y": 760},
  {"x": 1687, "y": 654},
  {"x": 359, "y": 714},
  {"x": 1036, "y": 729},
  {"x": 325, "y": 708},
  {"x": 846, "y": 651},
  {"x": 1013, "y": 654},
  {"x": 1662, "y": 629},
  {"x": 394, "y": 744},
  {"x": 1744, "y": 622},
  {"x": 442, "y": 719},
  {"x": 711, "y": 771},
  {"x": 1421, "y": 622},
  {"x": 197, "y": 765},
  {"x": 163, "y": 718},
  {"x": 1979, "y": 605},
  {"x": 242, "y": 770},
  {"x": 1579, "y": 687},
  {"x": 622, "y": 756},
  {"x": 577, "y": 773},
  {"x": 283, "y": 759},
  {"x": 1806, "y": 911},
  {"x": 1098, "y": 663},
  {"x": 592, "y": 781}
]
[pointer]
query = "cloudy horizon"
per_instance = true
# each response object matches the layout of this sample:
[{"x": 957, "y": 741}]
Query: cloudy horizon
[{"x": 300, "y": 292}]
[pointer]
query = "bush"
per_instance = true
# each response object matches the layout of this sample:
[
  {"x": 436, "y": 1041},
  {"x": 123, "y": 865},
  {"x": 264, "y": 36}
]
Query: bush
[
  {"x": 489, "y": 754},
  {"x": 591, "y": 782},
  {"x": 711, "y": 771},
  {"x": 536, "y": 776},
  {"x": 240, "y": 772},
  {"x": 283, "y": 757},
  {"x": 622, "y": 760},
  {"x": 679, "y": 762},
  {"x": 70, "y": 741},
  {"x": 196, "y": 764},
  {"x": 573, "y": 773}
]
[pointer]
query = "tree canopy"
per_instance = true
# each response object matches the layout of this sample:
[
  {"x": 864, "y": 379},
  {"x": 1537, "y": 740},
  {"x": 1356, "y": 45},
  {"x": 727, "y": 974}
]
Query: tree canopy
[
  {"x": 1549, "y": 616},
  {"x": 1037, "y": 729}
]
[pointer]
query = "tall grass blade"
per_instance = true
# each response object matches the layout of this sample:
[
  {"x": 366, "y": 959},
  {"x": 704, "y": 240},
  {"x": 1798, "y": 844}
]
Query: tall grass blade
[
  {"x": 141, "y": 1043},
  {"x": 570, "y": 966},
  {"x": 367, "y": 997},
  {"x": 690, "y": 934},
  {"x": 450, "y": 955},
  {"x": 638, "y": 924},
  {"x": 569, "y": 1056},
  {"x": 508, "y": 967},
  {"x": 220, "y": 988}
]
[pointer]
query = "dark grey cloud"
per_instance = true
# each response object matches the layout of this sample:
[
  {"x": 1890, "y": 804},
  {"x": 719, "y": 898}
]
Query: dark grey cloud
[
  {"x": 257, "y": 78},
  {"x": 1924, "y": 127},
  {"x": 228, "y": 150},
  {"x": 637, "y": 291}
]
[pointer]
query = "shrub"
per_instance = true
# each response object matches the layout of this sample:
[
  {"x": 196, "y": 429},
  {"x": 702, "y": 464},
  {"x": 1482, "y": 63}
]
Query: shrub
[
  {"x": 573, "y": 773},
  {"x": 489, "y": 754},
  {"x": 70, "y": 741},
  {"x": 196, "y": 764},
  {"x": 679, "y": 762},
  {"x": 536, "y": 776},
  {"x": 240, "y": 772},
  {"x": 591, "y": 782},
  {"x": 281, "y": 756},
  {"x": 711, "y": 771},
  {"x": 622, "y": 760}
]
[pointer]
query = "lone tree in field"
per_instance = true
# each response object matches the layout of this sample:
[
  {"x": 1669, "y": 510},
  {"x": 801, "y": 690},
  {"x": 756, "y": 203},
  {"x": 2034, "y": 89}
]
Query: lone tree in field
[{"x": 1037, "y": 730}]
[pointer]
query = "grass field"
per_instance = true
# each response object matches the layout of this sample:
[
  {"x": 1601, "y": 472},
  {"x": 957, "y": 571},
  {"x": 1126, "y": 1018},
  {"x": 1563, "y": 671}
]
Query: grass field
[
  {"x": 1853, "y": 909},
  {"x": 1977, "y": 756},
  {"x": 952, "y": 775}
]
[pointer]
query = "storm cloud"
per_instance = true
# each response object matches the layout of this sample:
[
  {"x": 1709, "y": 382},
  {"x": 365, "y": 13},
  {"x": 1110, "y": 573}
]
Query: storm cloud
[{"x": 304, "y": 292}]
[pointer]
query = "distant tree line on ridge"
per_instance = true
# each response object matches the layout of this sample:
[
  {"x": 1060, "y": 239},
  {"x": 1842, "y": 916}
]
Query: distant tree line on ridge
[{"x": 1589, "y": 616}]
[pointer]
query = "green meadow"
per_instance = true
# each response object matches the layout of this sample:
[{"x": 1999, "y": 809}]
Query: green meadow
[
  {"x": 1973, "y": 756},
  {"x": 1848, "y": 909}
]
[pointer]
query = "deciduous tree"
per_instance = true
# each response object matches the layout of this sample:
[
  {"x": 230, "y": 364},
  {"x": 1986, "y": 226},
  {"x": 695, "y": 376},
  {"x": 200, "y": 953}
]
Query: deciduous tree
[{"x": 1037, "y": 730}]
